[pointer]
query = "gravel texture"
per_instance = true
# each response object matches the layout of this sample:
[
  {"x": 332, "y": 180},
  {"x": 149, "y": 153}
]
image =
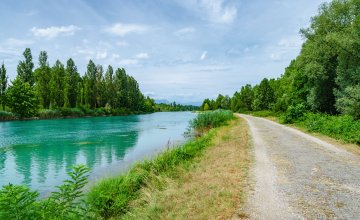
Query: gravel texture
[{"x": 298, "y": 176}]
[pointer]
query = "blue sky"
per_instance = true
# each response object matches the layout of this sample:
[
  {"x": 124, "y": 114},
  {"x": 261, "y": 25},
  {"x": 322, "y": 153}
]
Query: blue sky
[{"x": 182, "y": 50}]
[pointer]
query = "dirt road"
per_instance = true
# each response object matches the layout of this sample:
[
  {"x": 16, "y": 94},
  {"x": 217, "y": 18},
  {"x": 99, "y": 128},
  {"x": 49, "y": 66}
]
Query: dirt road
[{"x": 298, "y": 176}]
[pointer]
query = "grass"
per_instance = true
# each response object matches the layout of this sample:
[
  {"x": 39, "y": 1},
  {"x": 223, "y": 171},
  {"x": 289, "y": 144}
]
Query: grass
[
  {"x": 112, "y": 197},
  {"x": 211, "y": 119},
  {"x": 213, "y": 187},
  {"x": 340, "y": 127},
  {"x": 344, "y": 128},
  {"x": 123, "y": 196}
]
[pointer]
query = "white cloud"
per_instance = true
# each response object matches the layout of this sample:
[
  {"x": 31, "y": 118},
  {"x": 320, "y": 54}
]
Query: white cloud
[
  {"x": 142, "y": 56},
  {"x": 53, "y": 31},
  {"x": 185, "y": 31},
  {"x": 121, "y": 29},
  {"x": 218, "y": 12},
  {"x": 203, "y": 55}
]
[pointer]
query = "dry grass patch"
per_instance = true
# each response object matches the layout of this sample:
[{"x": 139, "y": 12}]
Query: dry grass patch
[{"x": 214, "y": 187}]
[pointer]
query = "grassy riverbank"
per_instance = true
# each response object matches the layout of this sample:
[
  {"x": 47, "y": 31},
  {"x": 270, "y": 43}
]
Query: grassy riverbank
[
  {"x": 70, "y": 113},
  {"x": 203, "y": 178},
  {"x": 212, "y": 186}
]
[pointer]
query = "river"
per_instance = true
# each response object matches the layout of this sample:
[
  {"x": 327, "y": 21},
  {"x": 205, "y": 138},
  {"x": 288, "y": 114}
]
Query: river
[{"x": 39, "y": 153}]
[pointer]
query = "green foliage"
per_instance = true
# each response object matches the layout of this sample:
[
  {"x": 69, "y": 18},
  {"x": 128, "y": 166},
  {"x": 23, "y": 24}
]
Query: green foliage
[
  {"x": 349, "y": 101},
  {"x": 63, "y": 89},
  {"x": 264, "y": 113},
  {"x": 3, "y": 86},
  {"x": 112, "y": 197},
  {"x": 49, "y": 113},
  {"x": 7, "y": 115},
  {"x": 173, "y": 107},
  {"x": 211, "y": 119},
  {"x": 344, "y": 128},
  {"x": 325, "y": 77},
  {"x": 73, "y": 112},
  {"x": 22, "y": 98},
  {"x": 18, "y": 202},
  {"x": 25, "y": 68},
  {"x": 57, "y": 84},
  {"x": 293, "y": 113},
  {"x": 264, "y": 96}
]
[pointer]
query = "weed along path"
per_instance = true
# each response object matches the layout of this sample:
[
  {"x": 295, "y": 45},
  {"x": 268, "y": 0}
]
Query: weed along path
[{"x": 298, "y": 176}]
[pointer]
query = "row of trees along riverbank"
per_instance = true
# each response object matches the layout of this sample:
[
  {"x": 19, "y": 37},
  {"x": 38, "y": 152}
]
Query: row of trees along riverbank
[
  {"x": 323, "y": 80},
  {"x": 61, "y": 91}
]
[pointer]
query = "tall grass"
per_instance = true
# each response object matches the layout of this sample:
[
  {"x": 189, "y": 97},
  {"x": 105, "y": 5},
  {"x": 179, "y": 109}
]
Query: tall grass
[
  {"x": 112, "y": 197},
  {"x": 211, "y": 119},
  {"x": 344, "y": 128}
]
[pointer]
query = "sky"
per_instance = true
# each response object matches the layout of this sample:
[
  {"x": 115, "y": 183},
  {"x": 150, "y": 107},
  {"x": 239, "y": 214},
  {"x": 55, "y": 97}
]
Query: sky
[{"x": 177, "y": 50}]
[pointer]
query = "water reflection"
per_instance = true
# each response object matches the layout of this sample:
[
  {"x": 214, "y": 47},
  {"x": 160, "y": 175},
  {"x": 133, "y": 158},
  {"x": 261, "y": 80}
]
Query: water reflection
[{"x": 39, "y": 153}]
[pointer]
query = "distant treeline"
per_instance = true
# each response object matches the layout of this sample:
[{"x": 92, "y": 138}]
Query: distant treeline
[
  {"x": 59, "y": 90},
  {"x": 174, "y": 107},
  {"x": 324, "y": 78}
]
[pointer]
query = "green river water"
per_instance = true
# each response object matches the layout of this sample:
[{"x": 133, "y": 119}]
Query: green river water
[{"x": 38, "y": 153}]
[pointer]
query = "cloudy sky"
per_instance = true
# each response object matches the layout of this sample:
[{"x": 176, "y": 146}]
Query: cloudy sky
[{"x": 182, "y": 50}]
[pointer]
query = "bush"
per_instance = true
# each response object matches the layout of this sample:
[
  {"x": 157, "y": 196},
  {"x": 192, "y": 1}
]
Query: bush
[
  {"x": 344, "y": 128},
  {"x": 7, "y": 115},
  {"x": 73, "y": 112},
  {"x": 49, "y": 113},
  {"x": 293, "y": 113},
  {"x": 211, "y": 119},
  {"x": 18, "y": 202}
]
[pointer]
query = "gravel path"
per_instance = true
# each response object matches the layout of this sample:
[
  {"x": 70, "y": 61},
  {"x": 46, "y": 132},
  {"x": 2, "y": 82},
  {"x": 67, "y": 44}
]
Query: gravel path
[{"x": 298, "y": 176}]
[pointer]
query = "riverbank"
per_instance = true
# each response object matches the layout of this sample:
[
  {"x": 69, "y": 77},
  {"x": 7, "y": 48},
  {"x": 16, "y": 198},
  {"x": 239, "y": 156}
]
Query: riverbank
[
  {"x": 116, "y": 196},
  {"x": 213, "y": 186},
  {"x": 216, "y": 156},
  {"x": 63, "y": 113}
]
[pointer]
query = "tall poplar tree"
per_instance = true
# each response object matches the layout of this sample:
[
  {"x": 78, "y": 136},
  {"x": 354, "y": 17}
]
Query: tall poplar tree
[
  {"x": 3, "y": 85},
  {"x": 25, "y": 68},
  {"x": 43, "y": 78}
]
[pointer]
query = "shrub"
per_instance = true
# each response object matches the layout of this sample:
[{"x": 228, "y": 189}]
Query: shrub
[
  {"x": 7, "y": 115},
  {"x": 18, "y": 202},
  {"x": 49, "y": 113},
  {"x": 344, "y": 127},
  {"x": 74, "y": 112},
  {"x": 293, "y": 113},
  {"x": 211, "y": 119}
]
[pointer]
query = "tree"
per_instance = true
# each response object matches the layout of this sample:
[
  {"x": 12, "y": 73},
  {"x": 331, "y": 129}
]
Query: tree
[
  {"x": 25, "y": 68},
  {"x": 246, "y": 97},
  {"x": 218, "y": 102},
  {"x": 43, "y": 77},
  {"x": 3, "y": 86},
  {"x": 22, "y": 98},
  {"x": 72, "y": 79},
  {"x": 109, "y": 86},
  {"x": 90, "y": 85},
  {"x": 264, "y": 96},
  {"x": 57, "y": 84},
  {"x": 349, "y": 103}
]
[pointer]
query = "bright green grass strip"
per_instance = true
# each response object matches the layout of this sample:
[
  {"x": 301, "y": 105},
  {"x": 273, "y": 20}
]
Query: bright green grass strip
[{"x": 111, "y": 197}]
